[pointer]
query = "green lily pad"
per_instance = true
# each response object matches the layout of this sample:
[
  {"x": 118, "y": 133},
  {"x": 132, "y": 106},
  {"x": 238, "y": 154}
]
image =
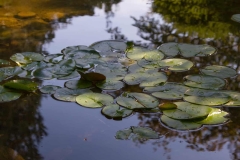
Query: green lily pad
[
  {"x": 137, "y": 133},
  {"x": 54, "y": 58},
  {"x": 110, "y": 84},
  {"x": 204, "y": 81},
  {"x": 114, "y": 111},
  {"x": 176, "y": 64},
  {"x": 88, "y": 63},
  {"x": 94, "y": 100},
  {"x": 49, "y": 89},
  {"x": 69, "y": 49},
  {"x": 236, "y": 18},
  {"x": 148, "y": 64},
  {"x": 219, "y": 71},
  {"x": 192, "y": 50},
  {"x": 6, "y": 72},
  {"x": 69, "y": 95},
  {"x": 7, "y": 95},
  {"x": 19, "y": 84},
  {"x": 109, "y": 47},
  {"x": 137, "y": 101},
  {"x": 169, "y": 49},
  {"x": 187, "y": 111},
  {"x": 27, "y": 57},
  {"x": 234, "y": 99},
  {"x": 78, "y": 84},
  {"x": 34, "y": 65},
  {"x": 216, "y": 116},
  {"x": 64, "y": 67},
  {"x": 147, "y": 79},
  {"x": 93, "y": 76},
  {"x": 169, "y": 95},
  {"x": 72, "y": 75},
  {"x": 44, "y": 73},
  {"x": 213, "y": 100},
  {"x": 168, "y": 105},
  {"x": 178, "y": 124},
  {"x": 137, "y": 53},
  {"x": 135, "y": 68}
]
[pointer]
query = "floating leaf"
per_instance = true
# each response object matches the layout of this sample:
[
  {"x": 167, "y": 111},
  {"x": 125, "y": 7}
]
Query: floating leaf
[
  {"x": 178, "y": 124},
  {"x": 109, "y": 47},
  {"x": 135, "y": 68},
  {"x": 6, "y": 72},
  {"x": 78, "y": 84},
  {"x": 216, "y": 116},
  {"x": 69, "y": 95},
  {"x": 69, "y": 49},
  {"x": 93, "y": 76},
  {"x": 168, "y": 105},
  {"x": 7, "y": 95},
  {"x": 24, "y": 85},
  {"x": 176, "y": 64},
  {"x": 44, "y": 73},
  {"x": 137, "y": 53},
  {"x": 236, "y": 18},
  {"x": 27, "y": 57},
  {"x": 234, "y": 99},
  {"x": 169, "y": 49},
  {"x": 148, "y": 64},
  {"x": 34, "y": 65},
  {"x": 114, "y": 111},
  {"x": 213, "y": 100},
  {"x": 110, "y": 84},
  {"x": 72, "y": 75},
  {"x": 204, "y": 81},
  {"x": 88, "y": 63},
  {"x": 147, "y": 79},
  {"x": 84, "y": 54},
  {"x": 53, "y": 58},
  {"x": 49, "y": 89},
  {"x": 192, "y": 50},
  {"x": 94, "y": 100},
  {"x": 219, "y": 71}
]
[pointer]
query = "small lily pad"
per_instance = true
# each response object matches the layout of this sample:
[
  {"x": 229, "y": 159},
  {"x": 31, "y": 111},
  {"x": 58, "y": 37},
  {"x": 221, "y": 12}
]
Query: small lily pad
[
  {"x": 94, "y": 100},
  {"x": 178, "y": 124},
  {"x": 204, "y": 81},
  {"x": 169, "y": 49},
  {"x": 78, "y": 84},
  {"x": 219, "y": 71},
  {"x": 19, "y": 84},
  {"x": 27, "y": 57},
  {"x": 110, "y": 84},
  {"x": 69, "y": 95},
  {"x": 114, "y": 111},
  {"x": 176, "y": 64},
  {"x": 236, "y": 18},
  {"x": 49, "y": 89}
]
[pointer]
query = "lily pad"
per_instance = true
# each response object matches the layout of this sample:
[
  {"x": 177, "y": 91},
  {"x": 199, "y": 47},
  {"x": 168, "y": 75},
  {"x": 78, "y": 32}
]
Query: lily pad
[
  {"x": 70, "y": 49},
  {"x": 110, "y": 84},
  {"x": 204, "y": 81},
  {"x": 176, "y": 64},
  {"x": 114, "y": 111},
  {"x": 94, "y": 100},
  {"x": 6, "y": 72},
  {"x": 27, "y": 57},
  {"x": 178, "y": 124},
  {"x": 216, "y": 116},
  {"x": 78, "y": 84},
  {"x": 148, "y": 64},
  {"x": 69, "y": 95},
  {"x": 53, "y": 58},
  {"x": 137, "y": 53},
  {"x": 236, "y": 18},
  {"x": 49, "y": 89},
  {"x": 84, "y": 54},
  {"x": 19, "y": 84},
  {"x": 168, "y": 86},
  {"x": 192, "y": 50},
  {"x": 93, "y": 76},
  {"x": 137, "y": 101},
  {"x": 72, "y": 75},
  {"x": 219, "y": 71},
  {"x": 147, "y": 79},
  {"x": 169, "y": 49},
  {"x": 213, "y": 100},
  {"x": 168, "y": 105},
  {"x": 88, "y": 63},
  {"x": 34, "y": 65},
  {"x": 234, "y": 99},
  {"x": 109, "y": 47},
  {"x": 135, "y": 68},
  {"x": 7, "y": 95}
]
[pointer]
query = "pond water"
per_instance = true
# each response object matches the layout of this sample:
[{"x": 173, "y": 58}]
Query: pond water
[{"x": 37, "y": 126}]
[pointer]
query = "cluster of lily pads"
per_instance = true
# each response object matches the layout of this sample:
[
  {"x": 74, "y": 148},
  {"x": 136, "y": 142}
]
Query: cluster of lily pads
[{"x": 111, "y": 65}]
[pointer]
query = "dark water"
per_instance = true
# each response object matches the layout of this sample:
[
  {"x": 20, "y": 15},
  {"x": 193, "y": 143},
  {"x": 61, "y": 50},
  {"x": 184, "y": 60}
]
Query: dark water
[{"x": 38, "y": 127}]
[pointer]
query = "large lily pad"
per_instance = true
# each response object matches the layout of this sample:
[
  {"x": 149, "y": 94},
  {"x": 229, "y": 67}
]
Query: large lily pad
[
  {"x": 148, "y": 64},
  {"x": 94, "y": 100},
  {"x": 7, "y": 95},
  {"x": 114, "y": 111},
  {"x": 69, "y": 95},
  {"x": 176, "y": 64},
  {"x": 78, "y": 84},
  {"x": 179, "y": 125},
  {"x": 137, "y": 101},
  {"x": 204, "y": 81},
  {"x": 192, "y": 50},
  {"x": 34, "y": 65},
  {"x": 236, "y": 18},
  {"x": 20, "y": 84},
  {"x": 27, "y": 57},
  {"x": 88, "y": 63},
  {"x": 147, "y": 79},
  {"x": 109, "y": 47},
  {"x": 219, "y": 71},
  {"x": 169, "y": 49},
  {"x": 72, "y": 75}
]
